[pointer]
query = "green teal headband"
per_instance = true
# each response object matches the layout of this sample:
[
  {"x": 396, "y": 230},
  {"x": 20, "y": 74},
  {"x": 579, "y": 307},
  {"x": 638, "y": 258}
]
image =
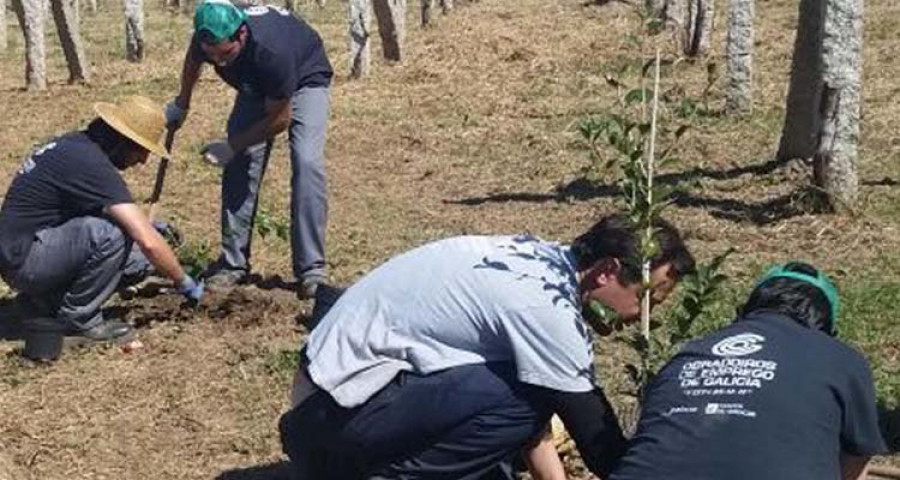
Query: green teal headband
[
  {"x": 819, "y": 281},
  {"x": 219, "y": 18}
]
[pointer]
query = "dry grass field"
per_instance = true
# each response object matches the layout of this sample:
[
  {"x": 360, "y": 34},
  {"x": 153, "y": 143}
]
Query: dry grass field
[{"x": 475, "y": 132}]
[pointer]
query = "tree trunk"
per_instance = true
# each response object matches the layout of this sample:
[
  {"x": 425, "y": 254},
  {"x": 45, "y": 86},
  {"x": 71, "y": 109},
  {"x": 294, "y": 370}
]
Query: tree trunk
[
  {"x": 822, "y": 118},
  {"x": 360, "y": 23},
  {"x": 834, "y": 164},
  {"x": 391, "y": 15},
  {"x": 446, "y": 6},
  {"x": 4, "y": 43},
  {"x": 320, "y": 3},
  {"x": 92, "y": 5},
  {"x": 67, "y": 28},
  {"x": 739, "y": 57},
  {"x": 427, "y": 7},
  {"x": 134, "y": 30},
  {"x": 31, "y": 19},
  {"x": 691, "y": 22},
  {"x": 799, "y": 136}
]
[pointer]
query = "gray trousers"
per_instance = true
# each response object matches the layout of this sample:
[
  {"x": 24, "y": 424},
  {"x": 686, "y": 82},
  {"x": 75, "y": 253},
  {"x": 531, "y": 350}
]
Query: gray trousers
[
  {"x": 243, "y": 176},
  {"x": 71, "y": 270}
]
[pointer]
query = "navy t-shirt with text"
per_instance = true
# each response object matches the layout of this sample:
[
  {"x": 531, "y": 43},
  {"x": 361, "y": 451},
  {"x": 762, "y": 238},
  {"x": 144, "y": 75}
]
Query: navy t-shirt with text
[
  {"x": 764, "y": 398},
  {"x": 282, "y": 55},
  {"x": 66, "y": 178}
]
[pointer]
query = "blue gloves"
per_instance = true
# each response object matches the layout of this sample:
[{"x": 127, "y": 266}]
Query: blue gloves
[{"x": 191, "y": 289}]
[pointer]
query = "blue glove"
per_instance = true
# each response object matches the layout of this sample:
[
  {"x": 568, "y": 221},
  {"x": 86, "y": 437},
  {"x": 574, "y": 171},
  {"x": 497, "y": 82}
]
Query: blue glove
[{"x": 191, "y": 289}]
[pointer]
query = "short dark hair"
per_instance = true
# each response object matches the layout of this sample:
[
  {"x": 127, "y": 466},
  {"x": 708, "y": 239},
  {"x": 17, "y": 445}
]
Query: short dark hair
[
  {"x": 802, "y": 301},
  {"x": 616, "y": 236}
]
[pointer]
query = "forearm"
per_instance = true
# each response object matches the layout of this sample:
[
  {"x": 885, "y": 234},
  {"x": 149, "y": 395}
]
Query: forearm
[
  {"x": 854, "y": 467},
  {"x": 277, "y": 119},
  {"x": 162, "y": 257},
  {"x": 592, "y": 423},
  {"x": 542, "y": 459},
  {"x": 190, "y": 74}
]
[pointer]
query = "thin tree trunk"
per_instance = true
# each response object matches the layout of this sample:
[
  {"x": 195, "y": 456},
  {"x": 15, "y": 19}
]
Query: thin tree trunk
[
  {"x": 31, "y": 19},
  {"x": 834, "y": 165},
  {"x": 67, "y": 28},
  {"x": 360, "y": 35},
  {"x": 427, "y": 7},
  {"x": 802, "y": 123},
  {"x": 92, "y": 4},
  {"x": 739, "y": 56},
  {"x": 447, "y": 6},
  {"x": 4, "y": 42},
  {"x": 134, "y": 30},
  {"x": 320, "y": 3},
  {"x": 391, "y": 15},
  {"x": 700, "y": 24}
]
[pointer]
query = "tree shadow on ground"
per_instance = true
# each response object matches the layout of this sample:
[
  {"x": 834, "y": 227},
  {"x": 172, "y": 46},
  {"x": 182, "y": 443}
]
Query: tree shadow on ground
[
  {"x": 270, "y": 471},
  {"x": 763, "y": 212},
  {"x": 889, "y": 420}
]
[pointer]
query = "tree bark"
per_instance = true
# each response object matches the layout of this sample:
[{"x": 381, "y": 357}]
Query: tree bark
[
  {"x": 4, "y": 42},
  {"x": 835, "y": 162},
  {"x": 391, "y": 15},
  {"x": 360, "y": 34},
  {"x": 802, "y": 123},
  {"x": 739, "y": 57},
  {"x": 134, "y": 30},
  {"x": 67, "y": 28},
  {"x": 822, "y": 119},
  {"x": 31, "y": 19},
  {"x": 427, "y": 7}
]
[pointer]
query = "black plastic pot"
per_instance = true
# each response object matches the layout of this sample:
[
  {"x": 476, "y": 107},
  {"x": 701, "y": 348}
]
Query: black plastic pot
[{"x": 43, "y": 338}]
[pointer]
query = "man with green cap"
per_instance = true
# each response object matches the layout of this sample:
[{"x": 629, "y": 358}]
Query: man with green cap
[
  {"x": 773, "y": 395},
  {"x": 68, "y": 223},
  {"x": 277, "y": 63}
]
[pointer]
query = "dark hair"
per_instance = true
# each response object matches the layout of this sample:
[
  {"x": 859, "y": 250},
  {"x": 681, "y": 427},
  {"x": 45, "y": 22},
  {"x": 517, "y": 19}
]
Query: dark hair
[
  {"x": 113, "y": 143},
  {"x": 615, "y": 236},
  {"x": 209, "y": 38},
  {"x": 802, "y": 301}
]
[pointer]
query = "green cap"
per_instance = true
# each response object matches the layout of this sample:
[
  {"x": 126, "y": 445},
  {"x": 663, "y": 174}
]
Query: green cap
[
  {"x": 820, "y": 281},
  {"x": 219, "y": 19}
]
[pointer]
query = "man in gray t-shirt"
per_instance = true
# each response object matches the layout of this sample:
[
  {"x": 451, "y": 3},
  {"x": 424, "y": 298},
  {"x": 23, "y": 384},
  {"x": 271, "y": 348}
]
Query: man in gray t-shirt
[{"x": 448, "y": 359}]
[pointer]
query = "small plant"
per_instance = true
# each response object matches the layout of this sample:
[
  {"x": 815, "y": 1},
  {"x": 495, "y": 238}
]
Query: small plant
[
  {"x": 268, "y": 224},
  {"x": 282, "y": 363},
  {"x": 195, "y": 257},
  {"x": 633, "y": 137}
]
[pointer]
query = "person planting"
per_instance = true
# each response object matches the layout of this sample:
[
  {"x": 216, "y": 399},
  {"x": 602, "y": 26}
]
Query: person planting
[
  {"x": 277, "y": 63},
  {"x": 449, "y": 359},
  {"x": 774, "y": 395},
  {"x": 68, "y": 222}
]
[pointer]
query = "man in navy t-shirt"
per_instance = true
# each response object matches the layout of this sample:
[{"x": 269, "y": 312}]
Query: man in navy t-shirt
[
  {"x": 772, "y": 396},
  {"x": 68, "y": 222},
  {"x": 277, "y": 64}
]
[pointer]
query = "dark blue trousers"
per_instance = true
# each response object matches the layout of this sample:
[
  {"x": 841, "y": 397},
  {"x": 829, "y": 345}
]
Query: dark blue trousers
[{"x": 464, "y": 423}]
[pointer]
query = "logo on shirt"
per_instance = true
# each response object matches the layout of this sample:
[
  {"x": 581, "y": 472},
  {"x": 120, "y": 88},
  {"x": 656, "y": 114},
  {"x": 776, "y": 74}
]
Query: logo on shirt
[{"x": 739, "y": 345}]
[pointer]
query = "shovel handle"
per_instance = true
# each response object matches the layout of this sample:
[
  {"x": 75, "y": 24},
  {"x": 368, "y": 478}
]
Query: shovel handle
[{"x": 161, "y": 174}]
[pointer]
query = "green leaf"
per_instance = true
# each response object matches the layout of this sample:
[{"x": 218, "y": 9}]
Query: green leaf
[{"x": 638, "y": 95}]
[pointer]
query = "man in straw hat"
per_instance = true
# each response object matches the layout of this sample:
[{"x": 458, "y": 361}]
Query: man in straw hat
[
  {"x": 773, "y": 395},
  {"x": 68, "y": 222},
  {"x": 277, "y": 63}
]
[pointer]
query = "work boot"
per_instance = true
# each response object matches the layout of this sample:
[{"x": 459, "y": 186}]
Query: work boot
[
  {"x": 106, "y": 331},
  {"x": 307, "y": 287},
  {"x": 219, "y": 278}
]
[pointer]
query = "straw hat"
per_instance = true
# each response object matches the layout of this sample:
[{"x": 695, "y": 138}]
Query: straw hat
[{"x": 139, "y": 119}]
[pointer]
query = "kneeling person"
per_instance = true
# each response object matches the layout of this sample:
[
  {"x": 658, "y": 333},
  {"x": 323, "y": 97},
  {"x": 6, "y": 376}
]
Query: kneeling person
[
  {"x": 448, "y": 360},
  {"x": 773, "y": 395},
  {"x": 68, "y": 222}
]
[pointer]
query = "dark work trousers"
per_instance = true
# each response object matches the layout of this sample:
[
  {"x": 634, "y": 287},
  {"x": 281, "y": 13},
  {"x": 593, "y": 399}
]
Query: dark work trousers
[
  {"x": 72, "y": 269},
  {"x": 463, "y": 423}
]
